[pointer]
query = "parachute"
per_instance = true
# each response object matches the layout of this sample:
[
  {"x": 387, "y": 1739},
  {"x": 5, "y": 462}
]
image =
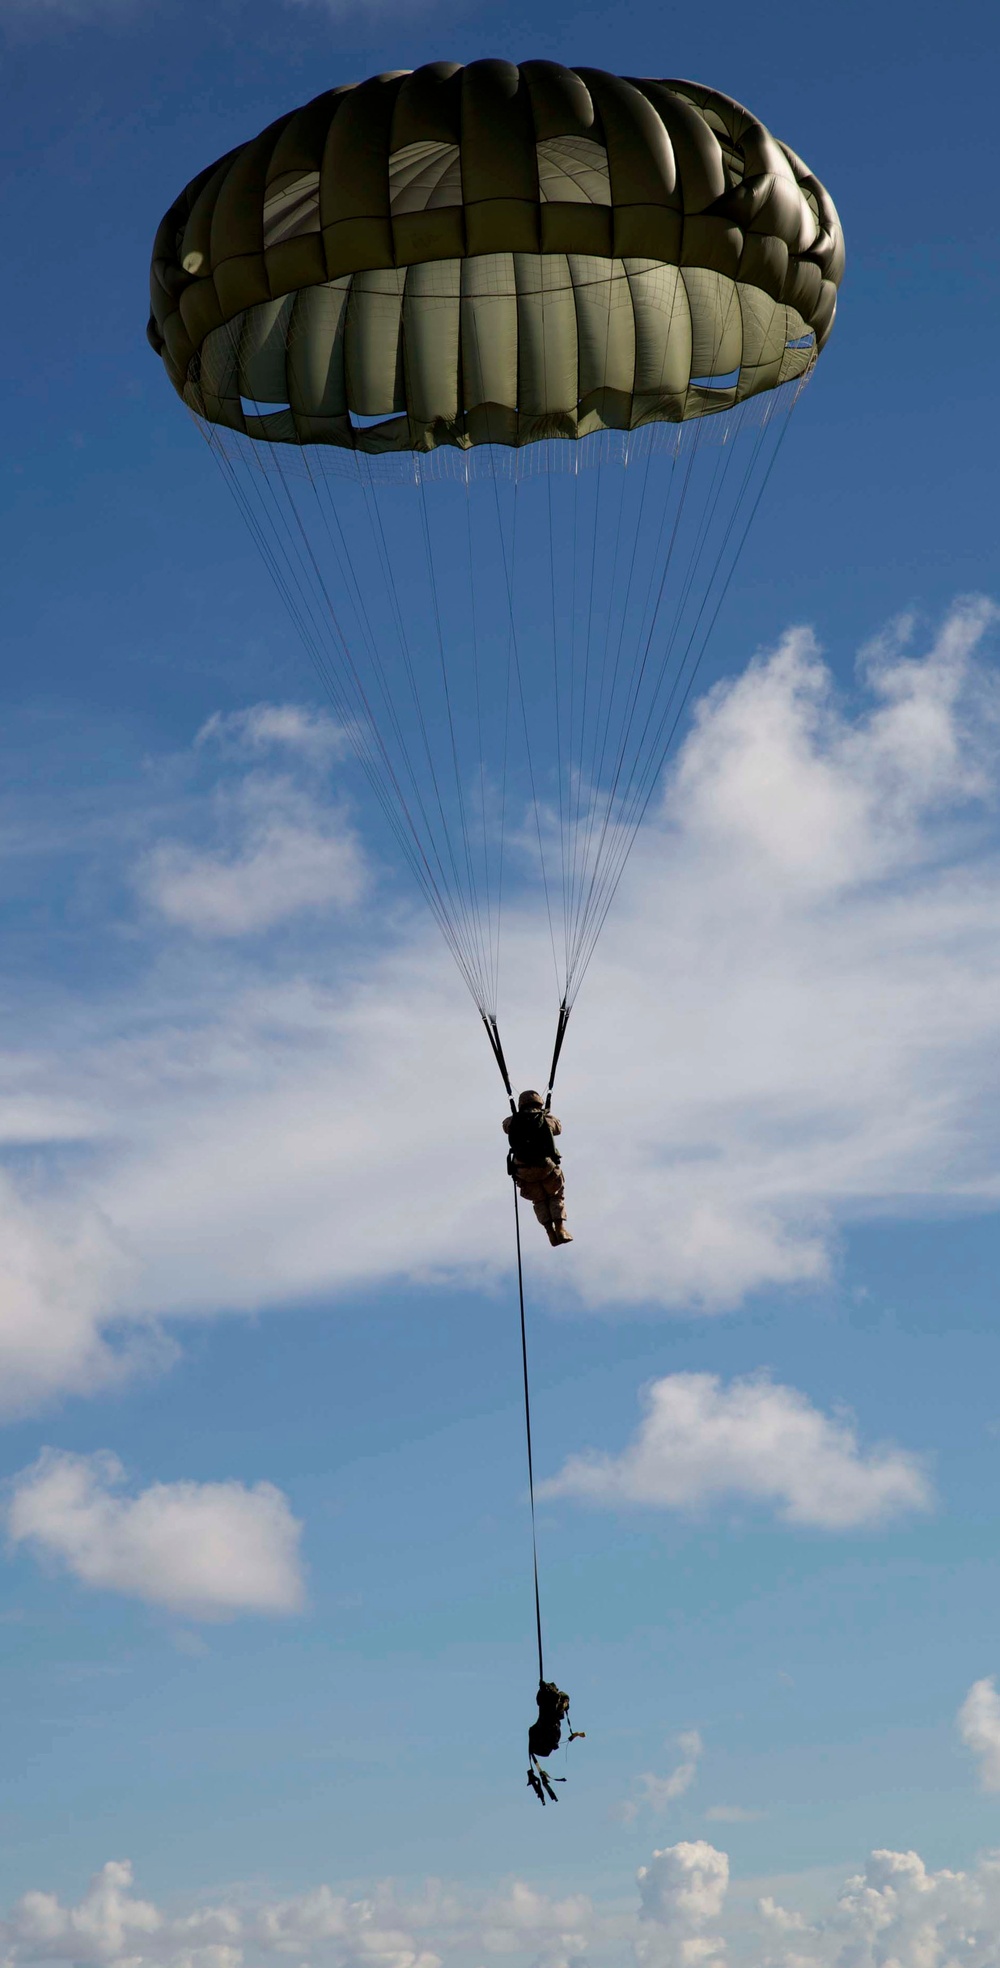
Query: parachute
[{"x": 496, "y": 362}]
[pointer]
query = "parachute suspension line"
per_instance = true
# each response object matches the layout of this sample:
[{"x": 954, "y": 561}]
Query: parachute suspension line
[
  {"x": 349, "y": 577},
  {"x": 648, "y": 756},
  {"x": 481, "y": 992},
  {"x": 668, "y": 535},
  {"x": 626, "y": 764},
  {"x": 662, "y": 745},
  {"x": 557, "y": 701},
  {"x": 670, "y": 725},
  {"x": 335, "y": 535},
  {"x": 510, "y": 567},
  {"x": 598, "y": 805},
  {"x": 467, "y": 961},
  {"x": 585, "y": 782},
  {"x": 492, "y": 933},
  {"x": 602, "y": 714},
  {"x": 588, "y": 650},
  {"x": 527, "y": 1433},
  {"x": 602, "y": 722},
  {"x": 299, "y": 581},
  {"x": 474, "y": 912},
  {"x": 648, "y": 768}
]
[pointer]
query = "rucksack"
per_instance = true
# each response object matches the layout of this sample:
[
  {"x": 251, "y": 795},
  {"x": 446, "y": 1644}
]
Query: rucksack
[{"x": 531, "y": 1138}]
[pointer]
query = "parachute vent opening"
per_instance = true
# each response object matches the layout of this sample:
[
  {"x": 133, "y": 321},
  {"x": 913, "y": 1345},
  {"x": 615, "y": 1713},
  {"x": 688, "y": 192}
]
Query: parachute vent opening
[
  {"x": 366, "y": 420},
  {"x": 728, "y": 381},
  {"x": 802, "y": 341}
]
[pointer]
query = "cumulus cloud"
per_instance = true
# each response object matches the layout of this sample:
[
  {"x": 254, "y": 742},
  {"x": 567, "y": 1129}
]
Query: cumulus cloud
[
  {"x": 210, "y": 1550},
  {"x": 681, "y": 1894},
  {"x": 815, "y": 901},
  {"x": 379, "y": 1929},
  {"x": 700, "y": 1441},
  {"x": 898, "y": 1911},
  {"x": 895, "y": 1911},
  {"x": 979, "y": 1728}
]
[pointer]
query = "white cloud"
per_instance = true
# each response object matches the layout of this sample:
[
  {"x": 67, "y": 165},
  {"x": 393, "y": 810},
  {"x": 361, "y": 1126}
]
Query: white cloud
[
  {"x": 380, "y": 1929},
  {"x": 61, "y": 1272},
  {"x": 210, "y": 1550},
  {"x": 299, "y": 728},
  {"x": 979, "y": 1728},
  {"x": 655, "y": 1793},
  {"x": 815, "y": 903},
  {"x": 681, "y": 1893},
  {"x": 700, "y": 1441},
  {"x": 896, "y": 1913},
  {"x": 283, "y": 854}
]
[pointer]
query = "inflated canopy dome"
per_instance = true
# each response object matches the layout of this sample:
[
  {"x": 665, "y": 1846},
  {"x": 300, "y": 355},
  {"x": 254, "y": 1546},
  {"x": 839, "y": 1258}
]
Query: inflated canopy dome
[{"x": 493, "y": 254}]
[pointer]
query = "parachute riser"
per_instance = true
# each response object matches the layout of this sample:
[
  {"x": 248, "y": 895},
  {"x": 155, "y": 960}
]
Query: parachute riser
[
  {"x": 496, "y": 1047},
  {"x": 563, "y": 1021}
]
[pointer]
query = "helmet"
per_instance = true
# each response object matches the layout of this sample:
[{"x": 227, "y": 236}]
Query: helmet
[{"x": 529, "y": 1098}]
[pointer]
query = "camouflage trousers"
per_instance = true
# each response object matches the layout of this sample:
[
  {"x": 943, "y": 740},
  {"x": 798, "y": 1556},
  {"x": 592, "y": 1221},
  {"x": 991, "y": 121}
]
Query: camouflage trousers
[{"x": 544, "y": 1187}]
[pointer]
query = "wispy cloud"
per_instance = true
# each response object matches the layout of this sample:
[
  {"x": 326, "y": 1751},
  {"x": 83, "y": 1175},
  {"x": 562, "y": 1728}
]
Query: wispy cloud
[
  {"x": 795, "y": 1020},
  {"x": 261, "y": 728},
  {"x": 280, "y": 854},
  {"x": 655, "y": 1793},
  {"x": 208, "y": 1550},
  {"x": 700, "y": 1441}
]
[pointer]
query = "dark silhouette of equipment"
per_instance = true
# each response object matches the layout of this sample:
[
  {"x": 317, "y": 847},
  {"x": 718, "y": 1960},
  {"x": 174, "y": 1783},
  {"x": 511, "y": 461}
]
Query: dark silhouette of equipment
[{"x": 545, "y": 1735}]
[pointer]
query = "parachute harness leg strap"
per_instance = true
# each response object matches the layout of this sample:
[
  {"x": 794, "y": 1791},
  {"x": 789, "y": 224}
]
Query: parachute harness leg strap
[{"x": 527, "y": 1431}]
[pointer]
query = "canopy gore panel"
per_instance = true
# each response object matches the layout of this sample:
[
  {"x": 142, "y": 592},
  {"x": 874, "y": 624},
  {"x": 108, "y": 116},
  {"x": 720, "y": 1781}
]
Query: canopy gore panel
[{"x": 493, "y": 255}]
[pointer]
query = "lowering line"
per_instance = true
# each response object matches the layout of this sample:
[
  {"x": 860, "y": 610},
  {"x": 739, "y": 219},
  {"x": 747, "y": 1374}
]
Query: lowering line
[{"x": 527, "y": 1431}]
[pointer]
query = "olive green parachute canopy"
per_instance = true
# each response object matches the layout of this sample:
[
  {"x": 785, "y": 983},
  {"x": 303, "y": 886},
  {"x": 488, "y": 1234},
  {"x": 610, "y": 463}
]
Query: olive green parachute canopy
[{"x": 493, "y": 254}]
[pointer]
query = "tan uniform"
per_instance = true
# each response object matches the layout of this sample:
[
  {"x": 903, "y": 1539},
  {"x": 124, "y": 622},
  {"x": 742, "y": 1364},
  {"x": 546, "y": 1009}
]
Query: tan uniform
[{"x": 544, "y": 1186}]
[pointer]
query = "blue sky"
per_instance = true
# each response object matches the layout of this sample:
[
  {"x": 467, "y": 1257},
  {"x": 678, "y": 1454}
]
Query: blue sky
[{"x": 267, "y": 1623}]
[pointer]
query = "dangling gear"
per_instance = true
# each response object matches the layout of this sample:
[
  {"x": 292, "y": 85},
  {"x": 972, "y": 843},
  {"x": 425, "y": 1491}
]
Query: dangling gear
[
  {"x": 545, "y": 1735},
  {"x": 541, "y": 1784}
]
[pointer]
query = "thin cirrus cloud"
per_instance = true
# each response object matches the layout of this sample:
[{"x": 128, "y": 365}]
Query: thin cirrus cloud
[
  {"x": 206, "y": 1550},
  {"x": 259, "y": 728},
  {"x": 814, "y": 899},
  {"x": 700, "y": 1441},
  {"x": 896, "y": 1909},
  {"x": 979, "y": 1728}
]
